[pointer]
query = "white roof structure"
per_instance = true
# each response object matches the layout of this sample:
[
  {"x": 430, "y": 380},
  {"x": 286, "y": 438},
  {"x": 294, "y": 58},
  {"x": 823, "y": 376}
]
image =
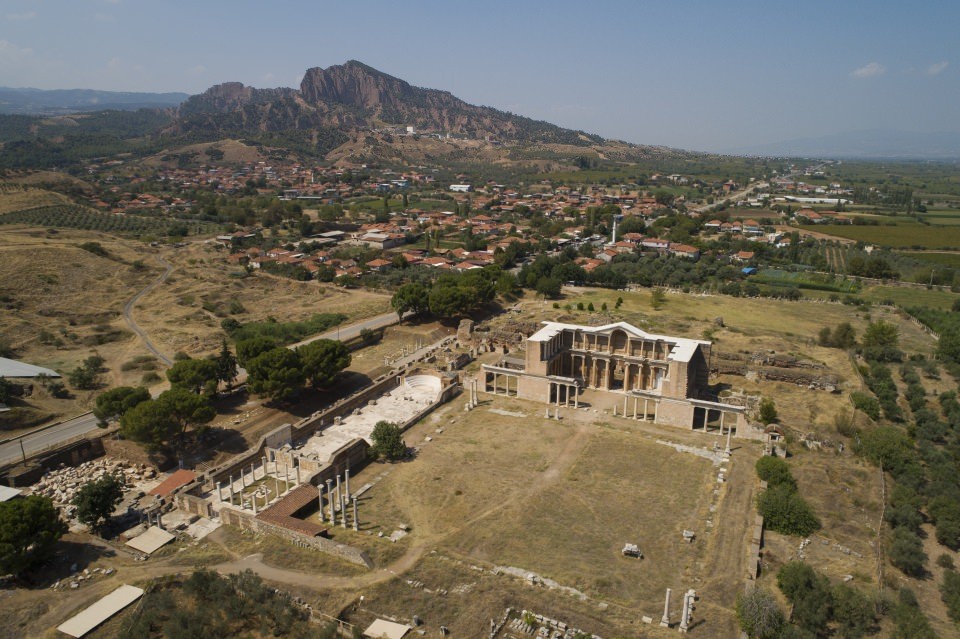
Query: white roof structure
[
  {"x": 683, "y": 348},
  {"x": 13, "y": 368},
  {"x": 96, "y": 614},
  {"x": 151, "y": 540},
  {"x": 7, "y": 493},
  {"x": 383, "y": 629}
]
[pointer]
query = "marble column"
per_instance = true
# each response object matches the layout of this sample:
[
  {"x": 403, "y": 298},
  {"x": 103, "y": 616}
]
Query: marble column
[
  {"x": 665, "y": 619},
  {"x": 356, "y": 522}
]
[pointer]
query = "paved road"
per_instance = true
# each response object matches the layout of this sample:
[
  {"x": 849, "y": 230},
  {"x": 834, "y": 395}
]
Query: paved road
[
  {"x": 344, "y": 333},
  {"x": 128, "y": 312},
  {"x": 48, "y": 437}
]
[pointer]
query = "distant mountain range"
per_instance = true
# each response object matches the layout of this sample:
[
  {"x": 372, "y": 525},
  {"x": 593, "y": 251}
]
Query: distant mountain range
[
  {"x": 875, "y": 144},
  {"x": 64, "y": 101}
]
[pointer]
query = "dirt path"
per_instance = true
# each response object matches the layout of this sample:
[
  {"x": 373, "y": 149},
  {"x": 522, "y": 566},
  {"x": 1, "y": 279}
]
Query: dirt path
[{"x": 128, "y": 311}]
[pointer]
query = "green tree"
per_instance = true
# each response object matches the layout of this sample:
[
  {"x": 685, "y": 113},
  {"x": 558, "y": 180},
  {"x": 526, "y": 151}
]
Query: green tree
[
  {"x": 96, "y": 500},
  {"x": 810, "y": 594},
  {"x": 657, "y": 299},
  {"x": 908, "y": 618},
  {"x": 950, "y": 593},
  {"x": 785, "y": 511},
  {"x": 759, "y": 615},
  {"x": 775, "y": 471},
  {"x": 86, "y": 376},
  {"x": 768, "y": 411},
  {"x": 449, "y": 301},
  {"x": 853, "y": 612},
  {"x": 29, "y": 529},
  {"x": 195, "y": 375},
  {"x": 276, "y": 374},
  {"x": 387, "y": 441},
  {"x": 881, "y": 342},
  {"x": 165, "y": 420},
  {"x": 226, "y": 364},
  {"x": 906, "y": 552},
  {"x": 548, "y": 287},
  {"x": 322, "y": 360},
  {"x": 117, "y": 401},
  {"x": 253, "y": 347},
  {"x": 412, "y": 297}
]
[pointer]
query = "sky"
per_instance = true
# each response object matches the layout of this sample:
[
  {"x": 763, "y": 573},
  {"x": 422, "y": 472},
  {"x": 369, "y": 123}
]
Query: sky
[{"x": 707, "y": 76}]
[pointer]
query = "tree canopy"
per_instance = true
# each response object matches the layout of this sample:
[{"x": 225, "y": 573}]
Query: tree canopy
[
  {"x": 29, "y": 529},
  {"x": 412, "y": 297},
  {"x": 322, "y": 359},
  {"x": 96, "y": 500},
  {"x": 164, "y": 421},
  {"x": 195, "y": 375},
  {"x": 115, "y": 402},
  {"x": 387, "y": 441},
  {"x": 276, "y": 374}
]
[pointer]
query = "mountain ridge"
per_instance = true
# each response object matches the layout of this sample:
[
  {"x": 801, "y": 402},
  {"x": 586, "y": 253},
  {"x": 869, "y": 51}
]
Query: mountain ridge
[
  {"x": 354, "y": 96},
  {"x": 30, "y": 101}
]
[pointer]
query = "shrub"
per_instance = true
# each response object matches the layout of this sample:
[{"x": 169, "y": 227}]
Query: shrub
[
  {"x": 775, "y": 471},
  {"x": 786, "y": 512},
  {"x": 906, "y": 552}
]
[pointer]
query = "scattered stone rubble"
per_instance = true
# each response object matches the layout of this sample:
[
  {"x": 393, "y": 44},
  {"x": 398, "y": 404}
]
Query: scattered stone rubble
[
  {"x": 541, "y": 626},
  {"x": 62, "y": 485},
  {"x": 77, "y": 578}
]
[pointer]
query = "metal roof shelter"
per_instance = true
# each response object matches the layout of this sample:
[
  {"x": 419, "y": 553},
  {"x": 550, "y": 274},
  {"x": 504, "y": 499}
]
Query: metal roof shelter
[
  {"x": 383, "y": 629},
  {"x": 13, "y": 368},
  {"x": 96, "y": 614},
  {"x": 151, "y": 541}
]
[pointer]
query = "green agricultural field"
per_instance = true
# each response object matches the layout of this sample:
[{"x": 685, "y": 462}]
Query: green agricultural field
[
  {"x": 901, "y": 235},
  {"x": 939, "y": 259},
  {"x": 911, "y": 296}
]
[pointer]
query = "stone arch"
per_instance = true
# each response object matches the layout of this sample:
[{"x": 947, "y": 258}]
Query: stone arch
[{"x": 618, "y": 341}]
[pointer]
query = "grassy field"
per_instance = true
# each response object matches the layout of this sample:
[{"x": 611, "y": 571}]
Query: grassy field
[
  {"x": 558, "y": 499},
  {"x": 910, "y": 296},
  {"x": 940, "y": 259},
  {"x": 904, "y": 235}
]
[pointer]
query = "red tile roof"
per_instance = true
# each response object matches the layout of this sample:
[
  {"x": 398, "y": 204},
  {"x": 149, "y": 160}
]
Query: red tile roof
[{"x": 180, "y": 478}]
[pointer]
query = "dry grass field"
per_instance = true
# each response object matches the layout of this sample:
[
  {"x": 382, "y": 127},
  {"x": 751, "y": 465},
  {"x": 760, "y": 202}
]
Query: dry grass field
[
  {"x": 63, "y": 303},
  {"x": 502, "y": 487}
]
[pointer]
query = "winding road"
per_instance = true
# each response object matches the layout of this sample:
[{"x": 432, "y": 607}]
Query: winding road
[{"x": 128, "y": 311}]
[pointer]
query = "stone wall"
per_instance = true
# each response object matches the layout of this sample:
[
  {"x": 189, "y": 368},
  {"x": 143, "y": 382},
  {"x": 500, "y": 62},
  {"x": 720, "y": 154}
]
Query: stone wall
[
  {"x": 247, "y": 521},
  {"x": 193, "y": 504},
  {"x": 72, "y": 454}
]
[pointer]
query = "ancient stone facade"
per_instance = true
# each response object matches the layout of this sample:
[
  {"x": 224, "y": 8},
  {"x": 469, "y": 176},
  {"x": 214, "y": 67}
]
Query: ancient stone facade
[{"x": 663, "y": 379}]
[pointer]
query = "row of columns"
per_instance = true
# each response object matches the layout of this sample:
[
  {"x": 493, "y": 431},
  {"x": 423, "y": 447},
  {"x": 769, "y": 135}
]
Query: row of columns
[
  {"x": 636, "y": 406},
  {"x": 507, "y": 378},
  {"x": 562, "y": 394},
  {"x": 236, "y": 492},
  {"x": 706, "y": 420},
  {"x": 337, "y": 501},
  {"x": 649, "y": 349},
  {"x": 599, "y": 374}
]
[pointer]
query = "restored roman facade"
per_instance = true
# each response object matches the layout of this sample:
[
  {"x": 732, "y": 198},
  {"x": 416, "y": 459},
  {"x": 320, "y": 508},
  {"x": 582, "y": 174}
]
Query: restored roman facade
[{"x": 661, "y": 379}]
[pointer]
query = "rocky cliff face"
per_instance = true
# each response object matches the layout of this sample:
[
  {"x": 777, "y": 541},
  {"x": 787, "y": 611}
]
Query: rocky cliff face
[
  {"x": 356, "y": 85},
  {"x": 354, "y": 96}
]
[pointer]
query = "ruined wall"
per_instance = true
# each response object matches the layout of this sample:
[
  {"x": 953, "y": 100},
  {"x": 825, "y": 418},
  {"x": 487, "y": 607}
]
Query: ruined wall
[
  {"x": 194, "y": 505},
  {"x": 247, "y": 521},
  {"x": 72, "y": 454}
]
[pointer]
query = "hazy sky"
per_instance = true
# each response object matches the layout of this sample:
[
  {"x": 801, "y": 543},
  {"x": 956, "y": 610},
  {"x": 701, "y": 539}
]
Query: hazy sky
[{"x": 698, "y": 75}]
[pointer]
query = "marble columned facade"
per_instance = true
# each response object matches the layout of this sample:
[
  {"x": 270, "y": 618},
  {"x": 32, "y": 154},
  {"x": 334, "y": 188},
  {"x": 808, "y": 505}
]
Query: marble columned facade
[{"x": 662, "y": 378}]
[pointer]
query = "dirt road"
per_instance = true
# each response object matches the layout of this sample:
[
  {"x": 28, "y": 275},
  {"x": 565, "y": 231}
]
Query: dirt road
[{"x": 128, "y": 311}]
